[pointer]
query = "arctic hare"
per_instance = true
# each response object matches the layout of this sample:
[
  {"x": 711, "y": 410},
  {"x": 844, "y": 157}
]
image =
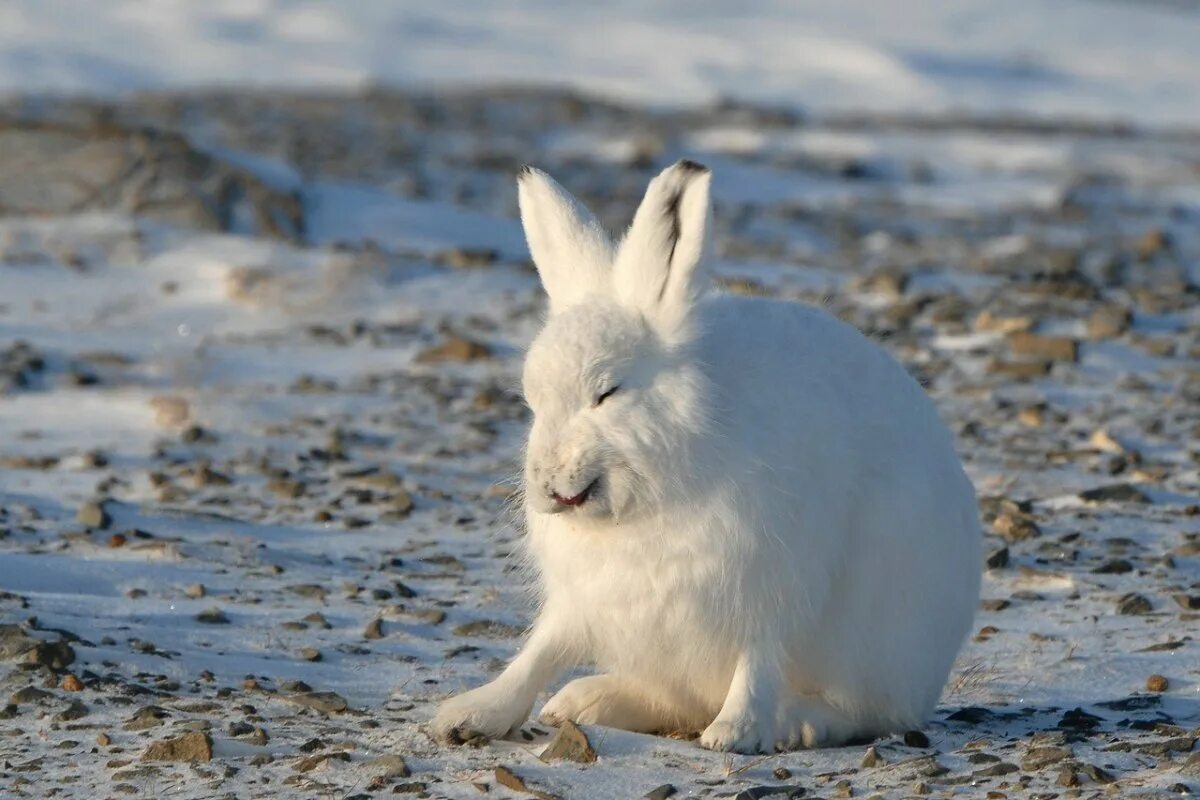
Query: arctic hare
[{"x": 745, "y": 514}]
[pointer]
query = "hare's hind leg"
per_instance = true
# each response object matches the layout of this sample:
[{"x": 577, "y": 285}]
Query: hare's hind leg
[{"x": 609, "y": 700}]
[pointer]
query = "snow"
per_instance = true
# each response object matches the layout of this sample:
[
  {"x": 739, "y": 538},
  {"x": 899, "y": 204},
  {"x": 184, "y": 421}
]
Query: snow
[
  {"x": 307, "y": 361},
  {"x": 1086, "y": 58}
]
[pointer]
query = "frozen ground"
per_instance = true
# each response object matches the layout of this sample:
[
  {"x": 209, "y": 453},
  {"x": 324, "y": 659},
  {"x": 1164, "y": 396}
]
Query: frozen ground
[
  {"x": 1108, "y": 59},
  {"x": 292, "y": 393}
]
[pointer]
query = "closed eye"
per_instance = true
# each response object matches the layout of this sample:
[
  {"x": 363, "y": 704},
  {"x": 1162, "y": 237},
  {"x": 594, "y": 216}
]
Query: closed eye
[{"x": 600, "y": 398}]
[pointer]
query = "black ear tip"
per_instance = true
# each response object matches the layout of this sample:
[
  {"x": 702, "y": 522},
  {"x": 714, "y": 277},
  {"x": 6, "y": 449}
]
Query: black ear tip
[
  {"x": 524, "y": 172},
  {"x": 687, "y": 165}
]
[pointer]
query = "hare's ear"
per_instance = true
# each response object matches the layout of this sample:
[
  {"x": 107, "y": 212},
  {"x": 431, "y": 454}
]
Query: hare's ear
[
  {"x": 570, "y": 249},
  {"x": 658, "y": 265}
]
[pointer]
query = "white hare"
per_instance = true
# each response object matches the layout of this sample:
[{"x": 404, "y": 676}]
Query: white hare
[{"x": 745, "y": 514}]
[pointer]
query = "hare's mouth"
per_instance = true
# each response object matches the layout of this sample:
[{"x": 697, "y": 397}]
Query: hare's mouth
[{"x": 577, "y": 499}]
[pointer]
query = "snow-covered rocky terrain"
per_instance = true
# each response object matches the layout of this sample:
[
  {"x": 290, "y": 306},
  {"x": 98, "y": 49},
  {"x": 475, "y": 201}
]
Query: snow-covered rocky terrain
[{"x": 260, "y": 421}]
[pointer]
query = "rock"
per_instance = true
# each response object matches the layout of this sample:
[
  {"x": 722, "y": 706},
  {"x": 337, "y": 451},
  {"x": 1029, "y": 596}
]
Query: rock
[
  {"x": 325, "y": 702},
  {"x": 1132, "y": 603},
  {"x": 1018, "y": 370},
  {"x": 1037, "y": 758},
  {"x": 389, "y": 766},
  {"x": 1188, "y": 602},
  {"x": 310, "y": 654},
  {"x": 467, "y": 257},
  {"x": 374, "y": 629},
  {"x": 145, "y": 718},
  {"x": 660, "y": 792},
  {"x": 999, "y": 323},
  {"x": 1157, "y": 683},
  {"x": 1015, "y": 527},
  {"x": 1108, "y": 322},
  {"x": 781, "y": 773},
  {"x": 70, "y": 165},
  {"x": 570, "y": 744},
  {"x": 1115, "y": 566},
  {"x": 70, "y": 683},
  {"x": 76, "y": 710},
  {"x": 916, "y": 739},
  {"x": 53, "y": 655},
  {"x": 30, "y": 694},
  {"x": 509, "y": 779},
  {"x": 1115, "y": 493},
  {"x": 871, "y": 759},
  {"x": 195, "y": 591},
  {"x": 321, "y": 759},
  {"x": 1047, "y": 348},
  {"x": 997, "y": 559},
  {"x": 488, "y": 628},
  {"x": 212, "y": 616},
  {"x": 1079, "y": 720},
  {"x": 15, "y": 642},
  {"x": 170, "y": 411},
  {"x": 103, "y": 739},
  {"x": 455, "y": 348},
  {"x": 190, "y": 747},
  {"x": 93, "y": 515}
]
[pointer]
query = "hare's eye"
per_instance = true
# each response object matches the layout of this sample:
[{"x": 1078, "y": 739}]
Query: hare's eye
[{"x": 600, "y": 398}]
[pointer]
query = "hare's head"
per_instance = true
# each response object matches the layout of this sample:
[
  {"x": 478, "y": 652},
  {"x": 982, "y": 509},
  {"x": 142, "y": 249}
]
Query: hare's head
[{"x": 617, "y": 396}]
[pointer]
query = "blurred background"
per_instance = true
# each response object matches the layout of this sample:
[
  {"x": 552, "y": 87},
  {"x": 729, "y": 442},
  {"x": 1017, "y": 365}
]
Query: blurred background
[{"x": 264, "y": 298}]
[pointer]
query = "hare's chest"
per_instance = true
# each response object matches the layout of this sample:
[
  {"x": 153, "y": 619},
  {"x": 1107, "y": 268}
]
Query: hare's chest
[{"x": 652, "y": 614}]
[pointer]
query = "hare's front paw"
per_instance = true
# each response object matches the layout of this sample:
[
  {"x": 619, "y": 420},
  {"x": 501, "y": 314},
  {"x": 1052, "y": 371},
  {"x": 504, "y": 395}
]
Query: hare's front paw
[
  {"x": 746, "y": 732},
  {"x": 487, "y": 710}
]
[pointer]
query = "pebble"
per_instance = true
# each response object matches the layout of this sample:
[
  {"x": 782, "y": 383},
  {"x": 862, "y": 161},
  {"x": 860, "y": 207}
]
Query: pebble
[
  {"x": 190, "y": 747},
  {"x": 325, "y": 702},
  {"x": 1157, "y": 684},
  {"x": 93, "y": 515},
  {"x": 570, "y": 744}
]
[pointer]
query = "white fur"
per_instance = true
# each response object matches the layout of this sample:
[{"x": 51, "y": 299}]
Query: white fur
[{"x": 780, "y": 547}]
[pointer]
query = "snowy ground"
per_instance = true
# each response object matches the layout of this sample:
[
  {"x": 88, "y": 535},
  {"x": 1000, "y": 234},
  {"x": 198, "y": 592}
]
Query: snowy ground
[
  {"x": 1134, "y": 60},
  {"x": 301, "y": 457}
]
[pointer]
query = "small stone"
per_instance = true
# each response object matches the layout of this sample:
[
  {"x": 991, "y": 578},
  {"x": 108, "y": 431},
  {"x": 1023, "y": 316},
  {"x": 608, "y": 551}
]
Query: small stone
[
  {"x": 1133, "y": 604},
  {"x": 93, "y": 515},
  {"x": 1108, "y": 322},
  {"x": 30, "y": 694},
  {"x": 71, "y": 683},
  {"x": 374, "y": 629},
  {"x": 1188, "y": 602},
  {"x": 1037, "y": 758},
  {"x": 916, "y": 739},
  {"x": 871, "y": 759},
  {"x": 190, "y": 747},
  {"x": 195, "y": 591},
  {"x": 325, "y": 702},
  {"x": 389, "y": 766},
  {"x": 212, "y": 616},
  {"x": 54, "y": 655},
  {"x": 1015, "y": 527},
  {"x": 660, "y": 792},
  {"x": 310, "y": 654},
  {"x": 1049, "y": 348},
  {"x": 103, "y": 739},
  {"x": 997, "y": 559},
  {"x": 76, "y": 710},
  {"x": 170, "y": 411},
  {"x": 570, "y": 744},
  {"x": 455, "y": 348},
  {"x": 117, "y": 540},
  {"x": 1019, "y": 370},
  {"x": 509, "y": 779},
  {"x": 781, "y": 773},
  {"x": 1157, "y": 683},
  {"x": 319, "y": 760},
  {"x": 1115, "y": 493},
  {"x": 488, "y": 628}
]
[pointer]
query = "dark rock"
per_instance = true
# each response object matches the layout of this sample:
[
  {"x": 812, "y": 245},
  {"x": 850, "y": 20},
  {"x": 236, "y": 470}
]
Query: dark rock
[
  {"x": 660, "y": 792},
  {"x": 1131, "y": 604},
  {"x": 1115, "y": 493},
  {"x": 916, "y": 739}
]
